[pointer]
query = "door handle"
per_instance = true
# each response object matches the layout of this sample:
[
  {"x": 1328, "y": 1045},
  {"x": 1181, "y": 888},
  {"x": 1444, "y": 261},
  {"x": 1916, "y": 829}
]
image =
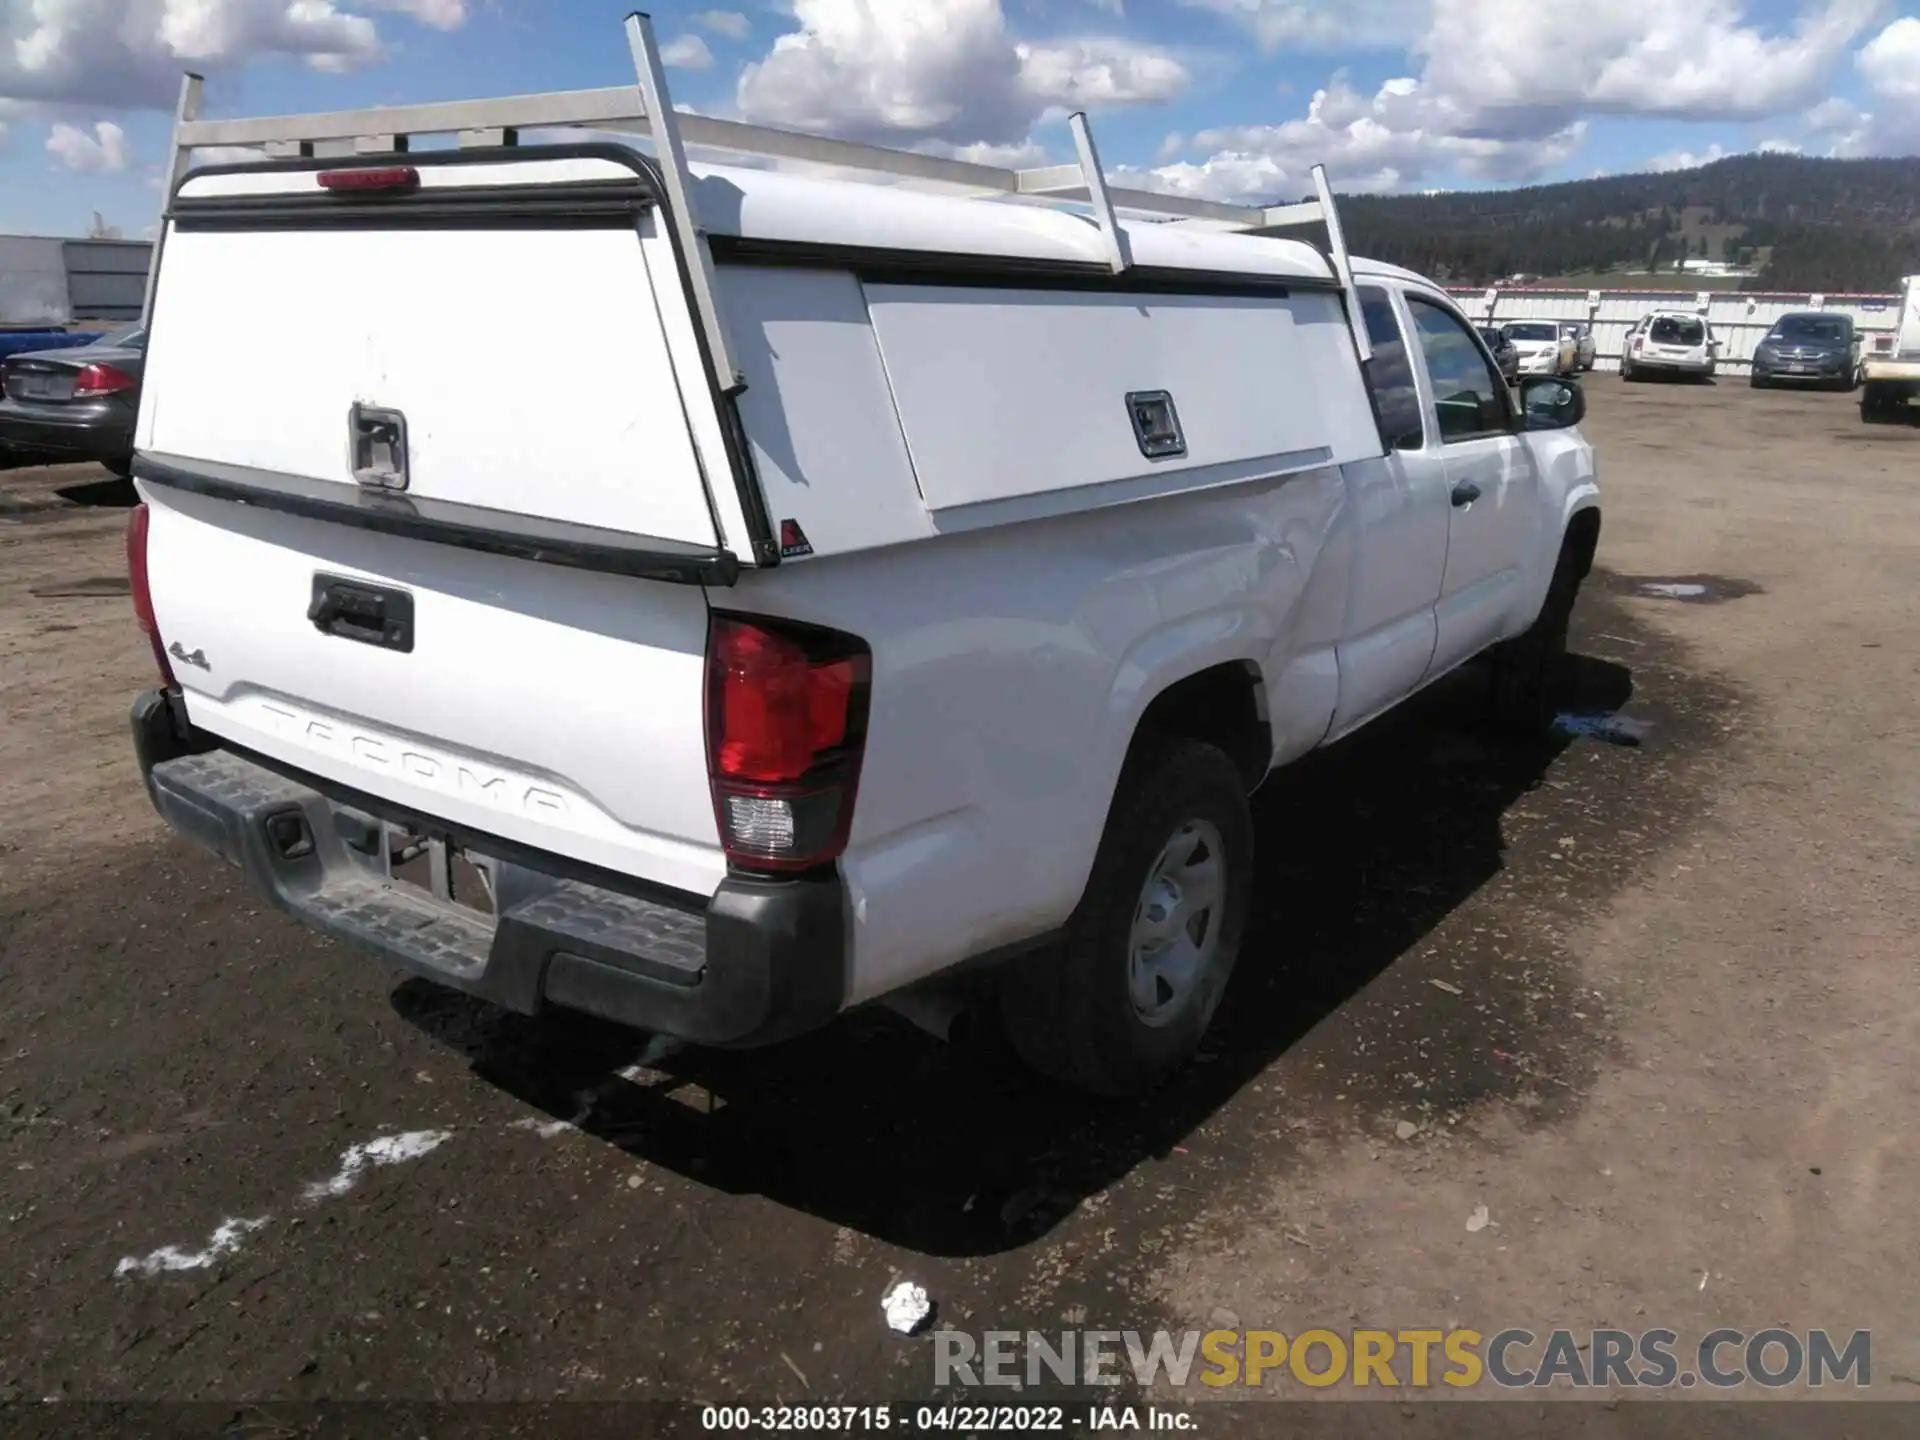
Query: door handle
[
  {"x": 1465, "y": 493},
  {"x": 370, "y": 614}
]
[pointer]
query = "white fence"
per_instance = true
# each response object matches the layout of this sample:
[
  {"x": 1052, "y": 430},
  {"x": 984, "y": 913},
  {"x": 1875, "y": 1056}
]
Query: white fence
[{"x": 1740, "y": 318}]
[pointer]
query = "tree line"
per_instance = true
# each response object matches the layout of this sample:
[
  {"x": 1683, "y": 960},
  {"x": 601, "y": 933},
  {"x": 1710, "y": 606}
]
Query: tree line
[{"x": 1812, "y": 224}]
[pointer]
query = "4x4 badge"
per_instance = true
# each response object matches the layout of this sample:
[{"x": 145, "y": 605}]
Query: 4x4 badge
[{"x": 185, "y": 656}]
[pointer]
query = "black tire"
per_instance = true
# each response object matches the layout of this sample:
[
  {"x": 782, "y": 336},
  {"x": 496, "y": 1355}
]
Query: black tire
[
  {"x": 1528, "y": 670},
  {"x": 1626, "y": 371},
  {"x": 121, "y": 465},
  {"x": 1756, "y": 382},
  {"x": 1069, "y": 1012}
]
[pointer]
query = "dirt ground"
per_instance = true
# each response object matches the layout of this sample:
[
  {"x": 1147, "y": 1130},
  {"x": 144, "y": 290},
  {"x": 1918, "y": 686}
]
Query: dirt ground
[{"x": 1652, "y": 1005}]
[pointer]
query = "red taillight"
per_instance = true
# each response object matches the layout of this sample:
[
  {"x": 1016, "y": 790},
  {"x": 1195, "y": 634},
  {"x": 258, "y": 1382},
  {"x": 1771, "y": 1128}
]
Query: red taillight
[
  {"x": 786, "y": 727},
  {"x": 142, "y": 591},
  {"x": 94, "y": 381},
  {"x": 380, "y": 177}
]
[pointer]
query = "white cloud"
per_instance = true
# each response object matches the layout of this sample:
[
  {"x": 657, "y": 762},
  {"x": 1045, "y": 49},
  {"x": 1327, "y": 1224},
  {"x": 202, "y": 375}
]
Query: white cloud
[
  {"x": 1097, "y": 71},
  {"x": 910, "y": 68},
  {"x": 1497, "y": 91},
  {"x": 913, "y": 71},
  {"x": 1890, "y": 62},
  {"x": 1315, "y": 25},
  {"x": 1503, "y": 84},
  {"x": 1025, "y": 155},
  {"x": 1838, "y": 127},
  {"x": 102, "y": 152},
  {"x": 1835, "y": 114},
  {"x": 129, "y": 54},
  {"x": 1779, "y": 146},
  {"x": 1686, "y": 159},
  {"x": 440, "y": 14},
  {"x": 730, "y": 24},
  {"x": 688, "y": 52},
  {"x": 1396, "y": 140},
  {"x": 1518, "y": 67}
]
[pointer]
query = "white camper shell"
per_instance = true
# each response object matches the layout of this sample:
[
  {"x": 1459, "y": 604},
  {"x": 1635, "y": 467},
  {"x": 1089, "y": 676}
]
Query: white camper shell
[{"x": 740, "y": 595}]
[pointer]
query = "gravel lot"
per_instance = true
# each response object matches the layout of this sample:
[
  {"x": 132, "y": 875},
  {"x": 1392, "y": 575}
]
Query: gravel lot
[{"x": 1653, "y": 1005}]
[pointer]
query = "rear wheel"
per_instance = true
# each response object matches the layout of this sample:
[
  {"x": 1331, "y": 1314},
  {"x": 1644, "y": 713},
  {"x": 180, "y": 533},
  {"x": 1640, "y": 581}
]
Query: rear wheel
[
  {"x": 1757, "y": 381},
  {"x": 1124, "y": 1001},
  {"x": 1528, "y": 669}
]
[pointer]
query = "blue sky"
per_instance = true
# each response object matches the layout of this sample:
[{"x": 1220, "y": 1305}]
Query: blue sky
[{"x": 1227, "y": 98}]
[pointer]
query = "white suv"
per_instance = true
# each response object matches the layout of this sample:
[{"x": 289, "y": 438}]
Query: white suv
[
  {"x": 954, "y": 635},
  {"x": 1669, "y": 342}
]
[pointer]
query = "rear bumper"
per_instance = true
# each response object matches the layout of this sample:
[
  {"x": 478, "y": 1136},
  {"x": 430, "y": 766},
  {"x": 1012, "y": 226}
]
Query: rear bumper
[
  {"x": 1668, "y": 362},
  {"x": 762, "y": 960},
  {"x": 93, "y": 433}
]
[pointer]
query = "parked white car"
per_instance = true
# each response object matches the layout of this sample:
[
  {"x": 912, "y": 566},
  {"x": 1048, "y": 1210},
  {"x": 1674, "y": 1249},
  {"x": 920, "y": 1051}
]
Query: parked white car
[
  {"x": 1545, "y": 347},
  {"x": 1669, "y": 342},
  {"x": 949, "y": 640}
]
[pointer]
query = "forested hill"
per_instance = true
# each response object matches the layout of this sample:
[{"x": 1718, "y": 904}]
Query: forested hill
[{"x": 1805, "y": 224}]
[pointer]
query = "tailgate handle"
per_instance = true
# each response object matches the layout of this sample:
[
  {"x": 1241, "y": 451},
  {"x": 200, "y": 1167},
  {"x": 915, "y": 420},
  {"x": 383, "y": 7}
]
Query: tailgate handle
[
  {"x": 377, "y": 446},
  {"x": 370, "y": 614}
]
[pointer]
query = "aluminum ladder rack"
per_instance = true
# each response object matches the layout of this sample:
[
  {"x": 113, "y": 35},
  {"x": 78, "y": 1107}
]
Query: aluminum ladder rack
[{"x": 647, "y": 109}]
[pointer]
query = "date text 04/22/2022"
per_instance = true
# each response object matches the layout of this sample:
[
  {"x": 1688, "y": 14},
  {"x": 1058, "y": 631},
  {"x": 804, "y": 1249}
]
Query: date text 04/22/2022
[{"x": 963, "y": 1419}]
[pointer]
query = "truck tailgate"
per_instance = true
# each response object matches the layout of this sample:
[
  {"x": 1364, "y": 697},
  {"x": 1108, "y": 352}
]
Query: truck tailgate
[{"x": 551, "y": 704}]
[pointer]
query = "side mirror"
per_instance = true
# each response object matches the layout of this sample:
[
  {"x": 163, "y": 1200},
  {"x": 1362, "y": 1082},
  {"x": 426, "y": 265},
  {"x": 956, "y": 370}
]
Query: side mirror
[{"x": 1550, "y": 402}]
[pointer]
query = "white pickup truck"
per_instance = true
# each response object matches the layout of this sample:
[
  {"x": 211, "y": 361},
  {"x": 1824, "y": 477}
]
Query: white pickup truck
[
  {"x": 1890, "y": 373},
  {"x": 850, "y": 588}
]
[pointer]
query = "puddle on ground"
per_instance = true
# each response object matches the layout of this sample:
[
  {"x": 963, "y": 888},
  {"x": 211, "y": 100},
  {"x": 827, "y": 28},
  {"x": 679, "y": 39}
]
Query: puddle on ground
[
  {"x": 89, "y": 588},
  {"x": 1609, "y": 726},
  {"x": 1689, "y": 589}
]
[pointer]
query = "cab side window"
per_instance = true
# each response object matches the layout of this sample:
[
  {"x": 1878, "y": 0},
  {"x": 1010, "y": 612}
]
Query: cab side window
[
  {"x": 1469, "y": 395},
  {"x": 1396, "y": 403}
]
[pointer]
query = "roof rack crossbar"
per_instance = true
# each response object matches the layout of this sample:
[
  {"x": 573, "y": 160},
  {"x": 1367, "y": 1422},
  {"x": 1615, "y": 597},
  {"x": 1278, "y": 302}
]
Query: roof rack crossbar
[{"x": 647, "y": 109}]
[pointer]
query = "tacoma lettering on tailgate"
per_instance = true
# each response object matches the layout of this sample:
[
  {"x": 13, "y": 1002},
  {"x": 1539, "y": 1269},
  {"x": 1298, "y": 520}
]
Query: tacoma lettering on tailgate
[{"x": 422, "y": 767}]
